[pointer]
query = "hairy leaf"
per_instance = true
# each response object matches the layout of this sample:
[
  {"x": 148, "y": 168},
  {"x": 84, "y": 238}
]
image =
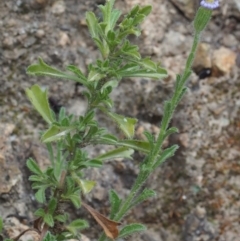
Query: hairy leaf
[
  {"x": 54, "y": 133},
  {"x": 131, "y": 229},
  {"x": 76, "y": 225},
  {"x": 39, "y": 100},
  {"x": 115, "y": 203},
  {"x": 48, "y": 219},
  {"x": 126, "y": 124},
  {"x": 43, "y": 69},
  {"x": 33, "y": 167}
]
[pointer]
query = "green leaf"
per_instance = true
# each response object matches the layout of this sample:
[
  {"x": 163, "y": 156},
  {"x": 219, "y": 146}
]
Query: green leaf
[
  {"x": 142, "y": 146},
  {"x": 92, "y": 24},
  {"x": 39, "y": 100},
  {"x": 167, "y": 114},
  {"x": 146, "y": 193},
  {"x": 50, "y": 152},
  {"x": 126, "y": 124},
  {"x": 148, "y": 64},
  {"x": 111, "y": 83},
  {"x": 110, "y": 16},
  {"x": 58, "y": 169},
  {"x": 146, "y": 10},
  {"x": 86, "y": 185},
  {"x": 1, "y": 224},
  {"x": 93, "y": 163},
  {"x": 76, "y": 71},
  {"x": 159, "y": 74},
  {"x": 111, "y": 36},
  {"x": 54, "y": 133},
  {"x": 94, "y": 75},
  {"x": 76, "y": 225},
  {"x": 75, "y": 199},
  {"x": 170, "y": 131},
  {"x": 181, "y": 95},
  {"x": 115, "y": 203},
  {"x": 130, "y": 50},
  {"x": 48, "y": 219},
  {"x": 186, "y": 75},
  {"x": 133, "y": 12},
  {"x": 131, "y": 229},
  {"x": 150, "y": 138},
  {"x": 138, "y": 19},
  {"x": 108, "y": 103},
  {"x": 167, "y": 153},
  {"x": 43, "y": 69},
  {"x": 89, "y": 117},
  {"x": 61, "y": 217},
  {"x": 93, "y": 130},
  {"x": 115, "y": 14},
  {"x": 33, "y": 167},
  {"x": 49, "y": 237},
  {"x": 40, "y": 195},
  {"x": 108, "y": 139},
  {"x": 35, "y": 178},
  {"x": 122, "y": 152},
  {"x": 177, "y": 83},
  {"x": 40, "y": 212},
  {"x": 104, "y": 49},
  {"x": 52, "y": 206}
]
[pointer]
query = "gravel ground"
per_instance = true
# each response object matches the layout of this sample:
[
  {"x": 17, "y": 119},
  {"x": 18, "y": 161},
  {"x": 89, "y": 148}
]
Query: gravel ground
[{"x": 197, "y": 190}]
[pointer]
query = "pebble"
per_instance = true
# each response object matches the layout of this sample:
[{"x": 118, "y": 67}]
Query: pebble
[
  {"x": 40, "y": 33},
  {"x": 38, "y": 4},
  {"x": 197, "y": 227},
  {"x": 186, "y": 6},
  {"x": 11, "y": 23},
  {"x": 63, "y": 39},
  {"x": 58, "y": 8},
  {"x": 230, "y": 40},
  {"x": 8, "y": 42},
  {"x": 202, "y": 58},
  {"x": 29, "y": 42},
  {"x": 175, "y": 43},
  {"x": 223, "y": 60}
]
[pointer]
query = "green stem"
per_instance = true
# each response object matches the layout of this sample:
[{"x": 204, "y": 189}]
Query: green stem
[
  {"x": 142, "y": 177},
  {"x": 174, "y": 100}
]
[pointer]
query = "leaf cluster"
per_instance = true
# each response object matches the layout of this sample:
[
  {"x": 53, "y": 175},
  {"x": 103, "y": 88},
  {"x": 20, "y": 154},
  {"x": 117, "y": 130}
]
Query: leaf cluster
[
  {"x": 64, "y": 178},
  {"x": 67, "y": 135}
]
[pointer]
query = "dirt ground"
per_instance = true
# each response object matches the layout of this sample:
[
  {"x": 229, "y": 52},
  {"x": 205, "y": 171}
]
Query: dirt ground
[{"x": 197, "y": 190}]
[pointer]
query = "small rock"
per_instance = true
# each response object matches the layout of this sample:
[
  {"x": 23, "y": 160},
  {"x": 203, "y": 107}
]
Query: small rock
[
  {"x": 38, "y": 4},
  {"x": 8, "y": 42},
  {"x": 202, "y": 59},
  {"x": 197, "y": 227},
  {"x": 223, "y": 61},
  {"x": 151, "y": 235},
  {"x": 63, "y": 39},
  {"x": 99, "y": 193},
  {"x": 11, "y": 23},
  {"x": 230, "y": 40},
  {"x": 186, "y": 6},
  {"x": 13, "y": 228},
  {"x": 58, "y": 8},
  {"x": 40, "y": 33},
  {"x": 184, "y": 139},
  {"x": 176, "y": 43},
  {"x": 29, "y": 42}
]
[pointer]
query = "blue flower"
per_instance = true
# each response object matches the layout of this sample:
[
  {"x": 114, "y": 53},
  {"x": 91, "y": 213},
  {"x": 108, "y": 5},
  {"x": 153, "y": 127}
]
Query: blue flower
[{"x": 211, "y": 4}]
